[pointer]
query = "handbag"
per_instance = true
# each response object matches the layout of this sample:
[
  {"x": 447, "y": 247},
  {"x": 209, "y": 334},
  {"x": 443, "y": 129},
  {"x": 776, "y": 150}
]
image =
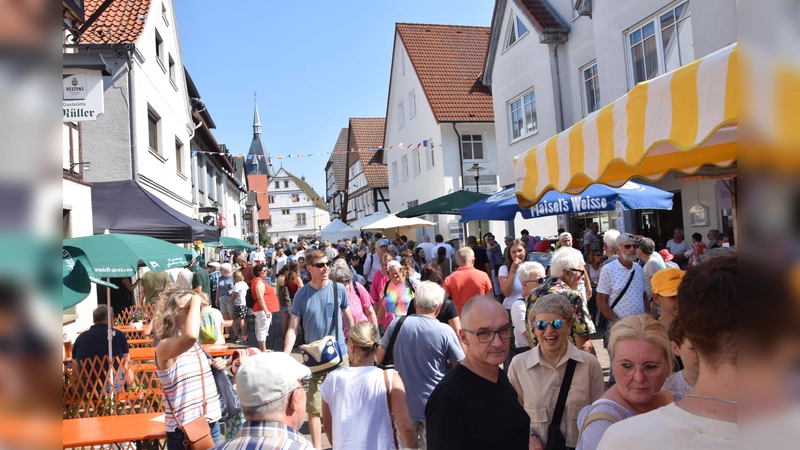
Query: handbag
[
  {"x": 228, "y": 399},
  {"x": 388, "y": 360},
  {"x": 324, "y": 353},
  {"x": 555, "y": 438},
  {"x": 196, "y": 433},
  {"x": 389, "y": 402}
]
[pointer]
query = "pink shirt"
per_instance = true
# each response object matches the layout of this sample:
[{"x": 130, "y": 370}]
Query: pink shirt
[
  {"x": 359, "y": 300},
  {"x": 377, "y": 286}
]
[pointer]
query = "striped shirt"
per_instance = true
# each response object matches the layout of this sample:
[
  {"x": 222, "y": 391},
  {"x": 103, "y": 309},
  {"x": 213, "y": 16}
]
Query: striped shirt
[
  {"x": 261, "y": 435},
  {"x": 184, "y": 385},
  {"x": 591, "y": 436}
]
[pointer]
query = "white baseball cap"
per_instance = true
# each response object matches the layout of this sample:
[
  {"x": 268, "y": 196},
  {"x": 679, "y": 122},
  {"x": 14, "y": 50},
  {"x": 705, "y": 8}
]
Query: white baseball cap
[{"x": 266, "y": 377}]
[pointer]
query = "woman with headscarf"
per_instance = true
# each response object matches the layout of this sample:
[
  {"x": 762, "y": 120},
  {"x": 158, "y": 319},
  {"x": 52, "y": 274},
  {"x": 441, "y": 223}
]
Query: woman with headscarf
[
  {"x": 355, "y": 399},
  {"x": 537, "y": 375},
  {"x": 182, "y": 368},
  {"x": 641, "y": 360},
  {"x": 566, "y": 276}
]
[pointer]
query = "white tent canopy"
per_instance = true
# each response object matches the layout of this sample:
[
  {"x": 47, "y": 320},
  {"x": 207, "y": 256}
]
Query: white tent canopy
[
  {"x": 391, "y": 221},
  {"x": 370, "y": 219},
  {"x": 337, "y": 230}
]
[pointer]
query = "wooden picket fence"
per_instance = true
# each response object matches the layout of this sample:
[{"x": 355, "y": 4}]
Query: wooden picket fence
[{"x": 87, "y": 391}]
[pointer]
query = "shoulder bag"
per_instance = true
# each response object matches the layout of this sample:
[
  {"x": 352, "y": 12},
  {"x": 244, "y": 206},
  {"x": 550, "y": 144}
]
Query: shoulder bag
[
  {"x": 389, "y": 402},
  {"x": 555, "y": 438},
  {"x": 228, "y": 399},
  {"x": 388, "y": 361},
  {"x": 603, "y": 322},
  {"x": 600, "y": 415},
  {"x": 196, "y": 433},
  {"x": 325, "y": 353}
]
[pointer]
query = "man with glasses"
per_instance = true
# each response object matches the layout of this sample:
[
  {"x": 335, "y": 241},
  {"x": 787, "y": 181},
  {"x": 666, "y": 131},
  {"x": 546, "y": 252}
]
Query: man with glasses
[
  {"x": 314, "y": 303},
  {"x": 621, "y": 289},
  {"x": 475, "y": 406},
  {"x": 372, "y": 264},
  {"x": 272, "y": 393}
]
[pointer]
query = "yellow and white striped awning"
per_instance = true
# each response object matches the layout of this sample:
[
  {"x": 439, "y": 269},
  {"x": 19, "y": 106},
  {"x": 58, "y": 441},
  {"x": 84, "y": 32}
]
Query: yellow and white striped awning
[{"x": 678, "y": 121}]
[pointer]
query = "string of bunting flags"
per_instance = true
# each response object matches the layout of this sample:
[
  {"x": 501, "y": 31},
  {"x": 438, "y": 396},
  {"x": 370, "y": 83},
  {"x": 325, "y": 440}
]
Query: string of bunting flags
[{"x": 351, "y": 150}]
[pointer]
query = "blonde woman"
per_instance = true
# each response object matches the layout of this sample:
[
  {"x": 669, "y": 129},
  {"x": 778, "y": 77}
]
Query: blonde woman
[
  {"x": 355, "y": 407},
  {"x": 182, "y": 367}
]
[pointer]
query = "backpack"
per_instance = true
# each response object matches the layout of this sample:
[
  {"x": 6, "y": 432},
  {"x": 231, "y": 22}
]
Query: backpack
[
  {"x": 408, "y": 283},
  {"x": 249, "y": 299},
  {"x": 208, "y": 330}
]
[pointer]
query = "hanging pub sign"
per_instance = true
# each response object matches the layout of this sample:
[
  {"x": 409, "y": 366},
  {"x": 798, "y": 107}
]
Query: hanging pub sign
[
  {"x": 247, "y": 216},
  {"x": 82, "y": 93}
]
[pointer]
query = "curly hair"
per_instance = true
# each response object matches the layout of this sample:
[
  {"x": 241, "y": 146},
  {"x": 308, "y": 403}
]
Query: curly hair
[{"x": 165, "y": 324}]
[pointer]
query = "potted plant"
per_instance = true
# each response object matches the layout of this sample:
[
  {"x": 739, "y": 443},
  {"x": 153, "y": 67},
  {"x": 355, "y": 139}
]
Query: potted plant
[{"x": 137, "y": 319}]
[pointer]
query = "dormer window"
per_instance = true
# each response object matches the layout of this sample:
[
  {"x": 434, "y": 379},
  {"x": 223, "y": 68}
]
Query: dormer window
[{"x": 515, "y": 31}]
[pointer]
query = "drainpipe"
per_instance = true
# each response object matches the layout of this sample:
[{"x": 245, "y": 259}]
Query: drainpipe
[
  {"x": 461, "y": 172},
  {"x": 558, "y": 79},
  {"x": 132, "y": 120}
]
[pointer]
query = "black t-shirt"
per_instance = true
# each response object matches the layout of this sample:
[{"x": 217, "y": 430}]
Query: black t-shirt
[
  {"x": 447, "y": 312},
  {"x": 481, "y": 260},
  {"x": 467, "y": 411},
  {"x": 94, "y": 342}
]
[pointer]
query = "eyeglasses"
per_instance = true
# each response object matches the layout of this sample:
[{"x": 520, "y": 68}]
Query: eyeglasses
[
  {"x": 322, "y": 264},
  {"x": 541, "y": 325},
  {"x": 577, "y": 272},
  {"x": 628, "y": 369},
  {"x": 535, "y": 280},
  {"x": 484, "y": 337},
  {"x": 626, "y": 246}
]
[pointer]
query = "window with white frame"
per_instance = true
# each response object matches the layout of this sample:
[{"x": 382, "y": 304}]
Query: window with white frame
[
  {"x": 401, "y": 115},
  {"x": 153, "y": 125},
  {"x": 417, "y": 161},
  {"x": 404, "y": 164},
  {"x": 661, "y": 44},
  {"x": 395, "y": 177},
  {"x": 301, "y": 218},
  {"x": 159, "y": 50},
  {"x": 286, "y": 183},
  {"x": 430, "y": 159},
  {"x": 412, "y": 104},
  {"x": 522, "y": 115},
  {"x": 516, "y": 30},
  {"x": 590, "y": 85},
  {"x": 472, "y": 146}
]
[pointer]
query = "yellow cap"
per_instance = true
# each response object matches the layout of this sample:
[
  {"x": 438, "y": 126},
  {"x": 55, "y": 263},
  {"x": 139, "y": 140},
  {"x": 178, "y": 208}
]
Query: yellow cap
[{"x": 665, "y": 282}]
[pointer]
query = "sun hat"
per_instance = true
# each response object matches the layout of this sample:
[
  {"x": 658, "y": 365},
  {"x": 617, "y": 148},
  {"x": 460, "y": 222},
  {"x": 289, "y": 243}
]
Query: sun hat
[{"x": 665, "y": 255}]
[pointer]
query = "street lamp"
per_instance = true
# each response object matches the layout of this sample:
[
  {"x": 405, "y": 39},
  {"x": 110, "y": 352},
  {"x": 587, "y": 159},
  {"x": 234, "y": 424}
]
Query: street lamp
[{"x": 476, "y": 172}]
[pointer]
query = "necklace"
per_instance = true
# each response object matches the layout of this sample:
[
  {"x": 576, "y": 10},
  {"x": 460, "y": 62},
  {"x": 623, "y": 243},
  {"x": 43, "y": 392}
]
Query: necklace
[{"x": 705, "y": 397}]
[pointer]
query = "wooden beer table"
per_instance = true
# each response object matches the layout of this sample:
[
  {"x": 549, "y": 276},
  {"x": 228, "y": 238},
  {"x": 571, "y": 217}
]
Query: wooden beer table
[
  {"x": 110, "y": 429},
  {"x": 148, "y": 353}
]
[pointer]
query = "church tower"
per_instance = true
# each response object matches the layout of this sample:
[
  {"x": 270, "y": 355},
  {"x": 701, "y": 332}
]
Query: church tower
[{"x": 258, "y": 167}]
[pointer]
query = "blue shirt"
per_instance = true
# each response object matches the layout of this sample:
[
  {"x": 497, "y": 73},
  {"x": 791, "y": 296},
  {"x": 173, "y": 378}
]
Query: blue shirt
[
  {"x": 316, "y": 309},
  {"x": 421, "y": 353},
  {"x": 225, "y": 286}
]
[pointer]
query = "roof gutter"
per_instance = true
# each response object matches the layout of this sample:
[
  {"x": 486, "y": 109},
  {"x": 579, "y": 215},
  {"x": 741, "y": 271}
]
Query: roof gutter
[{"x": 132, "y": 118}]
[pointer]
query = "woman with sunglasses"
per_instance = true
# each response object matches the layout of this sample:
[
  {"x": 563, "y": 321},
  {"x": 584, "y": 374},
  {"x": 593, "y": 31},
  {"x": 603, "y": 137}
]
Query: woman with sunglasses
[
  {"x": 395, "y": 294},
  {"x": 566, "y": 277},
  {"x": 641, "y": 360},
  {"x": 355, "y": 413},
  {"x": 529, "y": 275},
  {"x": 537, "y": 375}
]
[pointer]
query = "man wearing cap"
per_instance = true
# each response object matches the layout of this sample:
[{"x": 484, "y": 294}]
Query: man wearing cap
[
  {"x": 272, "y": 395},
  {"x": 373, "y": 262},
  {"x": 314, "y": 303},
  {"x": 622, "y": 284},
  {"x": 665, "y": 293}
]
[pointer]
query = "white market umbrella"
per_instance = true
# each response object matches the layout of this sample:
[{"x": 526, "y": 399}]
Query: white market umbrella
[
  {"x": 370, "y": 219},
  {"x": 392, "y": 221}
]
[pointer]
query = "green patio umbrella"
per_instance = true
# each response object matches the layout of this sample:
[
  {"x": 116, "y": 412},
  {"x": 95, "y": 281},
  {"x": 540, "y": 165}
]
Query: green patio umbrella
[
  {"x": 234, "y": 243},
  {"x": 76, "y": 280},
  {"x": 448, "y": 204},
  {"x": 117, "y": 255}
]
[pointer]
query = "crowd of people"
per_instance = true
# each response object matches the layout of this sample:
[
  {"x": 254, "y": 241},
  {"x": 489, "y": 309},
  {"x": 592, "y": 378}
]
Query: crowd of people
[{"x": 475, "y": 347}]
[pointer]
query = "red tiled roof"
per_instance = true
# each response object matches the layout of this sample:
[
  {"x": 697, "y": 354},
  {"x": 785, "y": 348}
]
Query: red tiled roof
[
  {"x": 368, "y": 133},
  {"x": 119, "y": 23},
  {"x": 448, "y": 60},
  {"x": 541, "y": 13},
  {"x": 339, "y": 161}
]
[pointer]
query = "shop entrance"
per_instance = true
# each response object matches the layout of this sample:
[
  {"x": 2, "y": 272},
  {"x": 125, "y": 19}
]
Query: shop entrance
[{"x": 659, "y": 224}]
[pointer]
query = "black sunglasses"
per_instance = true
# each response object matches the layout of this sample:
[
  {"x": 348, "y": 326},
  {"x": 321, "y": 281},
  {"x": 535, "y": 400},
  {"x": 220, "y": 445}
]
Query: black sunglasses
[
  {"x": 322, "y": 264},
  {"x": 536, "y": 280}
]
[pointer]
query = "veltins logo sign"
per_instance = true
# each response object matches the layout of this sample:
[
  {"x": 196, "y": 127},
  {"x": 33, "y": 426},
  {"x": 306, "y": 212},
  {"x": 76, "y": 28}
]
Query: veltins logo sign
[{"x": 82, "y": 93}]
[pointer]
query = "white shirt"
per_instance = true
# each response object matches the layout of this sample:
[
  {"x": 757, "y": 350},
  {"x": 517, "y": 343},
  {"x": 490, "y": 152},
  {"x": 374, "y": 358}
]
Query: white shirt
[
  {"x": 280, "y": 262},
  {"x": 613, "y": 278},
  {"x": 518, "y": 320},
  {"x": 428, "y": 247},
  {"x": 241, "y": 293},
  {"x": 435, "y": 250},
  {"x": 257, "y": 257},
  {"x": 677, "y": 249},
  {"x": 653, "y": 265},
  {"x": 516, "y": 290}
]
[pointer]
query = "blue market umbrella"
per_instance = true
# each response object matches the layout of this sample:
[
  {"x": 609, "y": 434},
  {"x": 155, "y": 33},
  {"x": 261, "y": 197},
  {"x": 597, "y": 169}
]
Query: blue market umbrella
[{"x": 597, "y": 197}]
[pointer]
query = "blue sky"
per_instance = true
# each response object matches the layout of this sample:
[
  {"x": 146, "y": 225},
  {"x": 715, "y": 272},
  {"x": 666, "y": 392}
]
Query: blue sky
[{"x": 314, "y": 64}]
